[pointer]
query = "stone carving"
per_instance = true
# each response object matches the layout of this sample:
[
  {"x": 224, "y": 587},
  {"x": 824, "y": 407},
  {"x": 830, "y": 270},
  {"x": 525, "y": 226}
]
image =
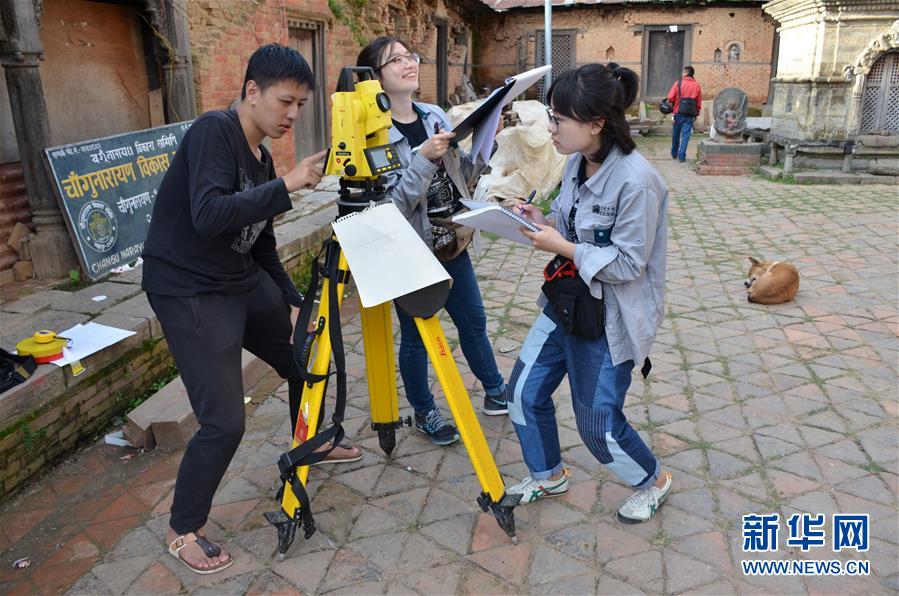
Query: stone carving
[
  {"x": 733, "y": 53},
  {"x": 729, "y": 111},
  {"x": 717, "y": 55},
  {"x": 888, "y": 40}
]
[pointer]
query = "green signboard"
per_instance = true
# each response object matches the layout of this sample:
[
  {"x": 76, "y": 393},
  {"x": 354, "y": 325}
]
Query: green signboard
[{"x": 106, "y": 189}]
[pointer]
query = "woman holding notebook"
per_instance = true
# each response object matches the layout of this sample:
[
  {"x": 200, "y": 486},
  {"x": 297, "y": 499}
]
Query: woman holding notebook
[
  {"x": 603, "y": 296},
  {"x": 427, "y": 190}
]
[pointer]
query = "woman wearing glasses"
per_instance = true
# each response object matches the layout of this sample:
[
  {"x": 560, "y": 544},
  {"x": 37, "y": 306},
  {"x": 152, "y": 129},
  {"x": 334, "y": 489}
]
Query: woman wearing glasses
[
  {"x": 427, "y": 190},
  {"x": 603, "y": 296}
]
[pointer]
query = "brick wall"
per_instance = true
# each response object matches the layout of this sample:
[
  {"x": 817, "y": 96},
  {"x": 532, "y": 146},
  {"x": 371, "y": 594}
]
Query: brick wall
[
  {"x": 224, "y": 33},
  {"x": 613, "y": 33},
  {"x": 76, "y": 411}
]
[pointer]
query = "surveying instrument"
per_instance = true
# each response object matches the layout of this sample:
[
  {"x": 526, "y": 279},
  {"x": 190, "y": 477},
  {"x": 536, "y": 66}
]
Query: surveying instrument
[{"x": 360, "y": 153}]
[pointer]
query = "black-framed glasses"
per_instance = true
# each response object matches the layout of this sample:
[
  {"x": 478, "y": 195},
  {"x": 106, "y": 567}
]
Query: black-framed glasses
[
  {"x": 402, "y": 60},
  {"x": 553, "y": 119}
]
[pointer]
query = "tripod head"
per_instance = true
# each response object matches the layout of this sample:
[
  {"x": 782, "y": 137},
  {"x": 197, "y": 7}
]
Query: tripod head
[{"x": 360, "y": 151}]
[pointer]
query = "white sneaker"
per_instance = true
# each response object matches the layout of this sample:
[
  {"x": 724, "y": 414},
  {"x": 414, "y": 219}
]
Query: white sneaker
[
  {"x": 532, "y": 490},
  {"x": 643, "y": 504}
]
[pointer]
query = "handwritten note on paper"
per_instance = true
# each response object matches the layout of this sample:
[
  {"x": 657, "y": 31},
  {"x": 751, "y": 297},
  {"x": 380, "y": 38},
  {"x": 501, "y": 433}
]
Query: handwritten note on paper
[{"x": 386, "y": 256}]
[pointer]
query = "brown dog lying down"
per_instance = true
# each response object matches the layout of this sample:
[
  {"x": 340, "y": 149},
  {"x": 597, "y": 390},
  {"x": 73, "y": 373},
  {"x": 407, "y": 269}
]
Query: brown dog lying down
[{"x": 771, "y": 282}]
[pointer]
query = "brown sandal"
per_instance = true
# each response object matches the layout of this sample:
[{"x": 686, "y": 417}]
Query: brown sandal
[
  {"x": 343, "y": 454},
  {"x": 209, "y": 549}
]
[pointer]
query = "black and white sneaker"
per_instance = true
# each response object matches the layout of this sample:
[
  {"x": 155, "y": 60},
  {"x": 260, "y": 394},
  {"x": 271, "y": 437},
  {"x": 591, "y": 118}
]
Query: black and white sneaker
[
  {"x": 436, "y": 426},
  {"x": 495, "y": 405}
]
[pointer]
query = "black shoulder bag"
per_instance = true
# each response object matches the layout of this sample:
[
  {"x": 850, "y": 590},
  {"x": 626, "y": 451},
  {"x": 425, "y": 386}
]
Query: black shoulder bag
[
  {"x": 580, "y": 313},
  {"x": 687, "y": 105}
]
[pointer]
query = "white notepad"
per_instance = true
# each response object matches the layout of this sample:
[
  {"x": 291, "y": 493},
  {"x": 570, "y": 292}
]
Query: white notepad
[
  {"x": 491, "y": 217},
  {"x": 387, "y": 258}
]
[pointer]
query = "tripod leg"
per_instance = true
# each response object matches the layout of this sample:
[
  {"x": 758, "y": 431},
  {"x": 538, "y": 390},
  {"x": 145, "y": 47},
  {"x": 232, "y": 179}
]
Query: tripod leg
[
  {"x": 493, "y": 496},
  {"x": 306, "y": 426},
  {"x": 377, "y": 338}
]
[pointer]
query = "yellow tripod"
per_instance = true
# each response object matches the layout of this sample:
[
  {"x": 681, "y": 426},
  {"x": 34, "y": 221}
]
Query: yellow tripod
[{"x": 377, "y": 338}]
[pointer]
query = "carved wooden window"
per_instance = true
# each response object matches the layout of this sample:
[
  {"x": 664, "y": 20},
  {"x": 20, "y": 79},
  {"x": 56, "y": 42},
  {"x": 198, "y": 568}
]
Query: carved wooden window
[
  {"x": 880, "y": 99},
  {"x": 563, "y": 54}
]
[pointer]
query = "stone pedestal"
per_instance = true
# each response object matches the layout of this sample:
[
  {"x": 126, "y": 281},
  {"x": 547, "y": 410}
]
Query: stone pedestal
[{"x": 728, "y": 159}]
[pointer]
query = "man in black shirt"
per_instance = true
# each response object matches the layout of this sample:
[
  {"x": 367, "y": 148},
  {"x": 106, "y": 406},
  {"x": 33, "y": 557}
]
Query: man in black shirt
[{"x": 213, "y": 276}]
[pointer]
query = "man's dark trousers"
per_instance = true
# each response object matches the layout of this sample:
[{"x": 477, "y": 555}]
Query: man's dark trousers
[{"x": 205, "y": 334}]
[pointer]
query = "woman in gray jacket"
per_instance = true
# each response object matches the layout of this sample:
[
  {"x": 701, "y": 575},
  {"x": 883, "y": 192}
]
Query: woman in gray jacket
[
  {"x": 604, "y": 293},
  {"x": 427, "y": 190}
]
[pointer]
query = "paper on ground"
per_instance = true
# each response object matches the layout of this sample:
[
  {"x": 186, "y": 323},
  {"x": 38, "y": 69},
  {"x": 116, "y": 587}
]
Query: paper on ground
[
  {"x": 386, "y": 256},
  {"x": 489, "y": 217},
  {"x": 87, "y": 339}
]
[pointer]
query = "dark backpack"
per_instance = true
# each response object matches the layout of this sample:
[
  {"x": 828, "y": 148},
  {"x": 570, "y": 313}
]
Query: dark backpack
[{"x": 14, "y": 369}]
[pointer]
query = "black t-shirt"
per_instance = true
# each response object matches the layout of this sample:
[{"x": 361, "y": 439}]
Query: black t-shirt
[
  {"x": 413, "y": 131},
  {"x": 211, "y": 229}
]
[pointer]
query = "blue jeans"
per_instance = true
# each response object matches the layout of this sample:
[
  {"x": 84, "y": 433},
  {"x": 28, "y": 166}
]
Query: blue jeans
[
  {"x": 466, "y": 309},
  {"x": 597, "y": 393},
  {"x": 680, "y": 136}
]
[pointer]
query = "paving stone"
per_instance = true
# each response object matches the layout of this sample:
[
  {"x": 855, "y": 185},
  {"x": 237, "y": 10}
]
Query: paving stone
[
  {"x": 549, "y": 565},
  {"x": 708, "y": 547},
  {"x": 576, "y": 541},
  {"x": 383, "y": 550},
  {"x": 438, "y": 580},
  {"x": 348, "y": 568},
  {"x": 405, "y": 506},
  {"x": 454, "y": 533},
  {"x": 685, "y": 573},
  {"x": 476, "y": 580},
  {"x": 118, "y": 575},
  {"x": 88, "y": 585},
  {"x": 307, "y": 571},
  {"x": 724, "y": 465},
  {"x": 642, "y": 570},
  {"x": 509, "y": 563}
]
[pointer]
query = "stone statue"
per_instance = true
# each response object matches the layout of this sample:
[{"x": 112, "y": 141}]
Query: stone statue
[
  {"x": 733, "y": 53},
  {"x": 729, "y": 111}
]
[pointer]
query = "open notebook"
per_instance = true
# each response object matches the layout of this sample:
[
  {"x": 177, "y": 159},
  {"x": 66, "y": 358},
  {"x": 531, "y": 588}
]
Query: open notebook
[{"x": 491, "y": 217}]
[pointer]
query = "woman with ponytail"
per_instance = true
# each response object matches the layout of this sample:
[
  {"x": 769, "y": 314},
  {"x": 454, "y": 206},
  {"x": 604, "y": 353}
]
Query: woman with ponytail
[{"x": 603, "y": 296}]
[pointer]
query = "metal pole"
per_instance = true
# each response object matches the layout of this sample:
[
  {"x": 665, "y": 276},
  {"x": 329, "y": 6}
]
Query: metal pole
[{"x": 547, "y": 42}]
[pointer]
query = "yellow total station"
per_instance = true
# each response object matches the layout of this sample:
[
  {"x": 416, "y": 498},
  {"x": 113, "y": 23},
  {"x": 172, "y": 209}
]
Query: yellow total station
[{"x": 360, "y": 116}]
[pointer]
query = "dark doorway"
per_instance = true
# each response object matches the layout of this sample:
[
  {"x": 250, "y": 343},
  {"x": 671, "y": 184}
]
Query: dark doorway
[
  {"x": 665, "y": 51},
  {"x": 442, "y": 63},
  {"x": 311, "y": 130}
]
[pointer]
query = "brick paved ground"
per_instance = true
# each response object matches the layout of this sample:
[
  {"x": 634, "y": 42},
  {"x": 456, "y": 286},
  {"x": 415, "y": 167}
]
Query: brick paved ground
[{"x": 782, "y": 409}]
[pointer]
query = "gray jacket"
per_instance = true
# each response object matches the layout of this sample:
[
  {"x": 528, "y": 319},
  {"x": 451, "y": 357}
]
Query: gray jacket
[
  {"x": 622, "y": 229},
  {"x": 408, "y": 186}
]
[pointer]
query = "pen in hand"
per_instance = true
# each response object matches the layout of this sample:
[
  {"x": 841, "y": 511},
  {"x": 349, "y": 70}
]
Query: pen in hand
[{"x": 527, "y": 202}]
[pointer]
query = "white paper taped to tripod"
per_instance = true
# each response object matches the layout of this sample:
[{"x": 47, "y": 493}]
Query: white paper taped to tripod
[{"x": 386, "y": 256}]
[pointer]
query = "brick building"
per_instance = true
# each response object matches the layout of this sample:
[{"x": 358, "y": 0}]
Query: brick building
[
  {"x": 730, "y": 44},
  {"x": 223, "y": 34}
]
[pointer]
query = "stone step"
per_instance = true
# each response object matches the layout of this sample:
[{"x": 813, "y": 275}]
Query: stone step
[{"x": 166, "y": 420}]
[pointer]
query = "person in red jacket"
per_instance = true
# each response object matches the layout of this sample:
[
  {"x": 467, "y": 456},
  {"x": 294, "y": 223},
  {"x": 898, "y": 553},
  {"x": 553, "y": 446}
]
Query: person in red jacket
[{"x": 686, "y": 97}]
